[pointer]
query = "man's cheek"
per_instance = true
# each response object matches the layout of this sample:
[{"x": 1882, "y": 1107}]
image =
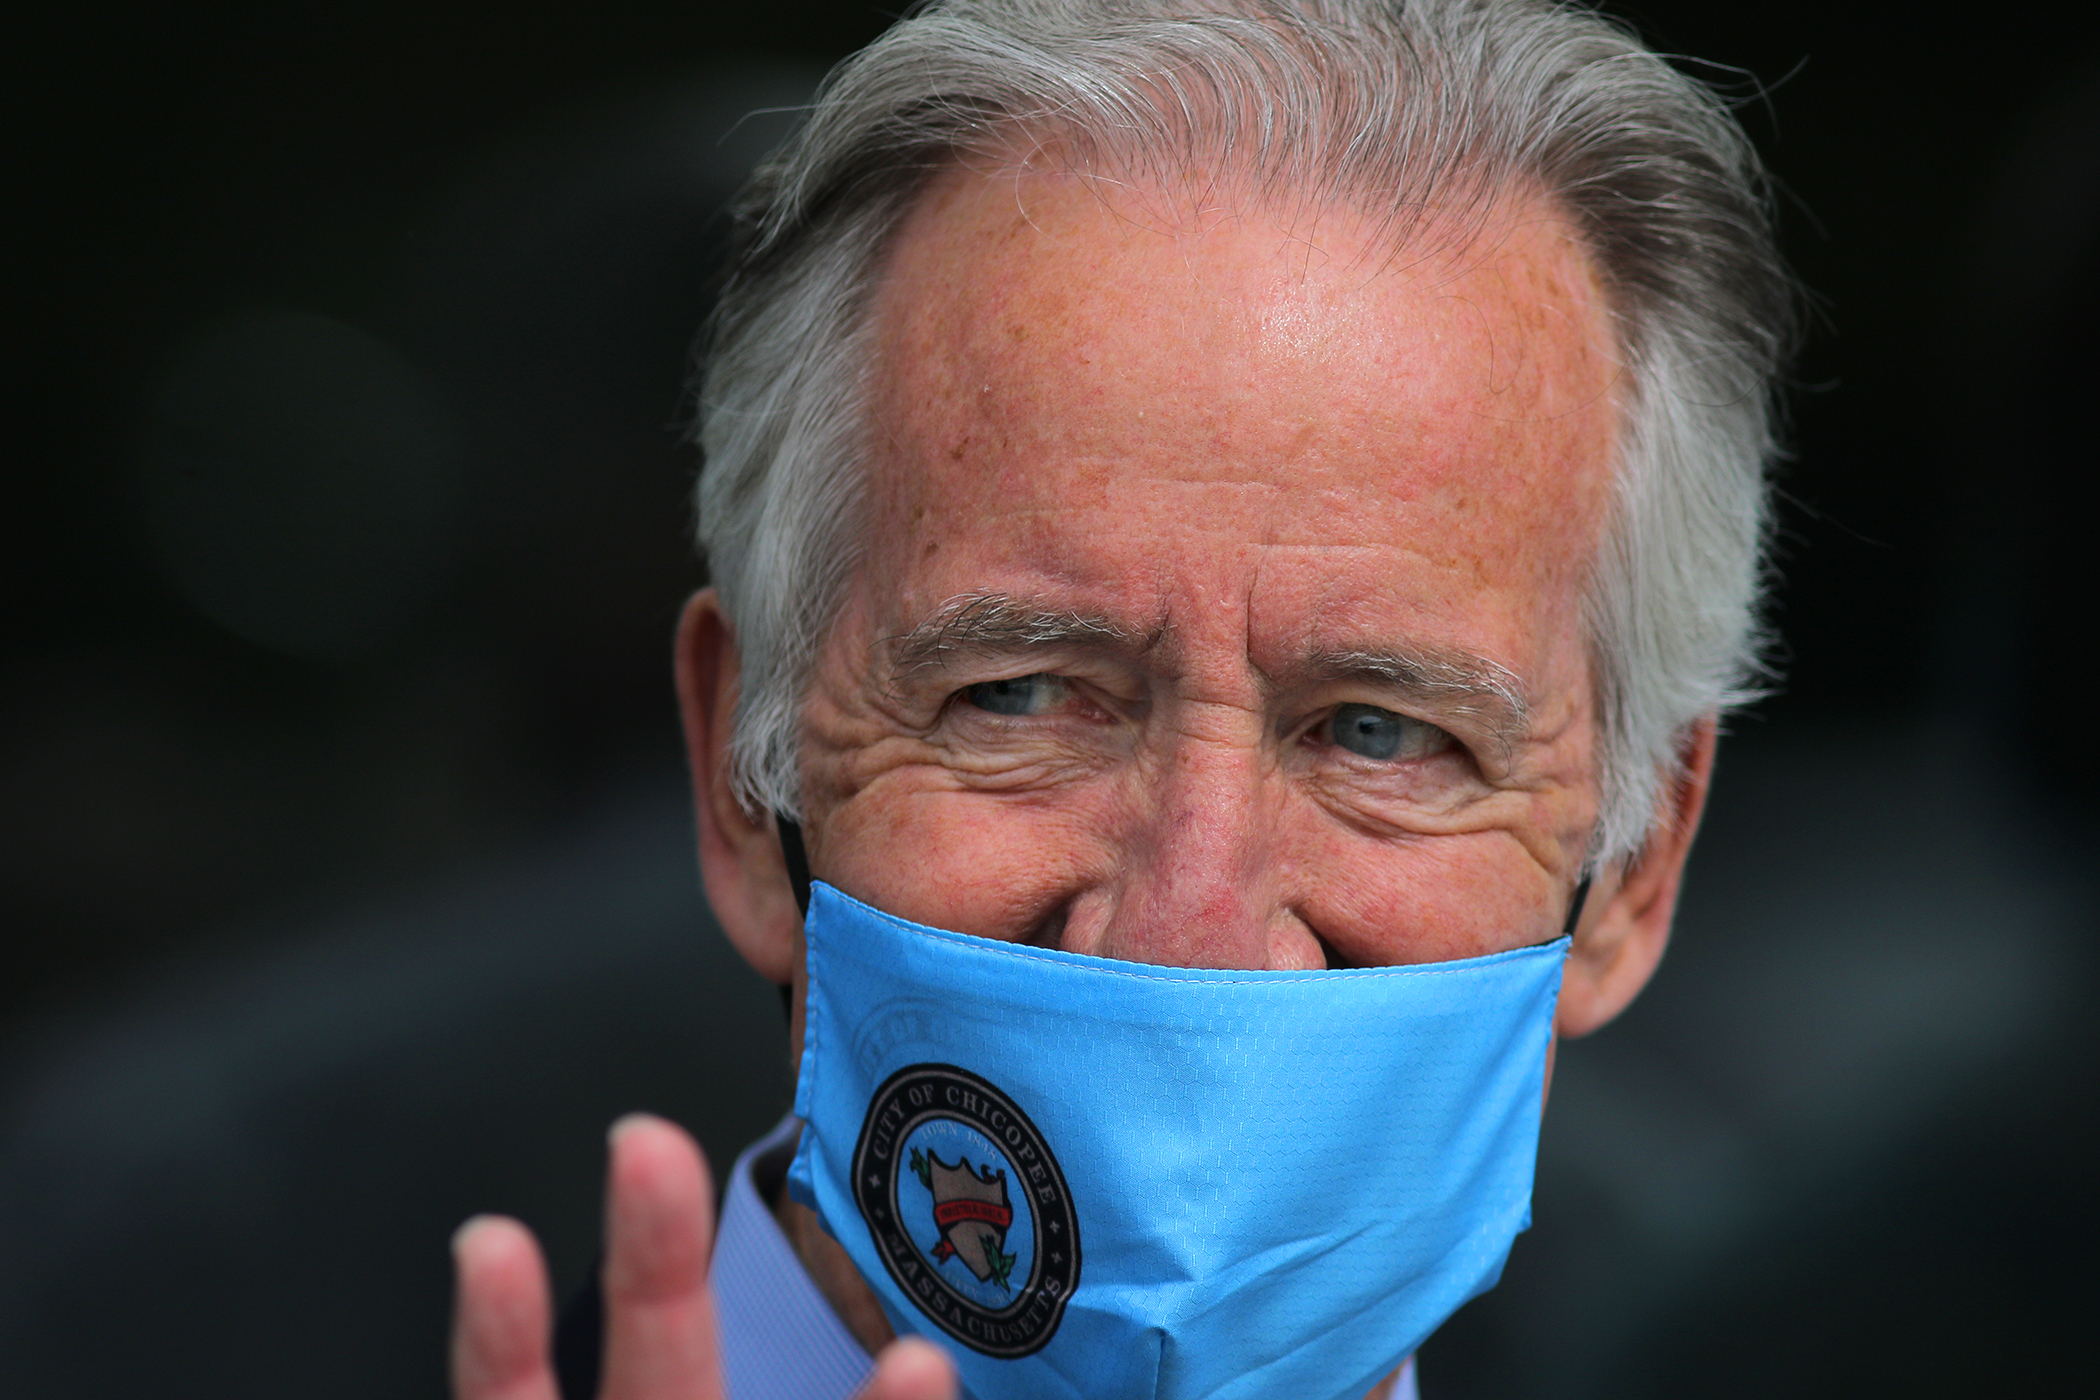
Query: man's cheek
[
  {"x": 1424, "y": 900},
  {"x": 992, "y": 864}
]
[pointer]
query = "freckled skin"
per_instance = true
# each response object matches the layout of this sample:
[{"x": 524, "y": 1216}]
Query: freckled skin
[{"x": 1262, "y": 444}]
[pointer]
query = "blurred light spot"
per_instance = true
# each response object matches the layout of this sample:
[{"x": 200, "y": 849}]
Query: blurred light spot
[{"x": 296, "y": 479}]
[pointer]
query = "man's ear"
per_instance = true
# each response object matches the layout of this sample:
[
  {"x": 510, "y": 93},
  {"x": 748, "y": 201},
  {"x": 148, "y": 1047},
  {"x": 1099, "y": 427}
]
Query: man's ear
[
  {"x": 1622, "y": 935},
  {"x": 740, "y": 857}
]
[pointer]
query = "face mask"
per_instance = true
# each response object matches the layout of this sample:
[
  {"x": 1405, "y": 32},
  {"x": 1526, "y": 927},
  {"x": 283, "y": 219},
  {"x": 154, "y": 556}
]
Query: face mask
[{"x": 1100, "y": 1179}]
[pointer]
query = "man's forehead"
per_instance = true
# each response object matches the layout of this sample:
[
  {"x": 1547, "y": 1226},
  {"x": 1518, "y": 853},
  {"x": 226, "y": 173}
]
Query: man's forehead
[
  {"x": 1014, "y": 304},
  {"x": 1067, "y": 391},
  {"x": 987, "y": 266}
]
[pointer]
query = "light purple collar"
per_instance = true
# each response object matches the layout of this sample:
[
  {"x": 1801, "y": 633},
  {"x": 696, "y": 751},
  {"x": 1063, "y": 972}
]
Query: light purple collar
[{"x": 780, "y": 1338}]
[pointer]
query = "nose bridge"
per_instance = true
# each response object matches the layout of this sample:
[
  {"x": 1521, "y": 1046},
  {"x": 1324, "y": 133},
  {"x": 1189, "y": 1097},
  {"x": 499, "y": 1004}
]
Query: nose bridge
[{"x": 1196, "y": 884}]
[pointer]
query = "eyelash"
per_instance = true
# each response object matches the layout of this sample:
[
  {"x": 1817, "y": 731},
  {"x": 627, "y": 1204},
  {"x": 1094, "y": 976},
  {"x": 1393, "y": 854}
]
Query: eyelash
[
  {"x": 1404, "y": 738},
  {"x": 983, "y": 693},
  {"x": 1376, "y": 726}
]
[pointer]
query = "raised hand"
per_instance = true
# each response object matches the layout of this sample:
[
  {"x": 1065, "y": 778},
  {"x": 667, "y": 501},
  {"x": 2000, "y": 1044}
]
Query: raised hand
[{"x": 659, "y": 1309}]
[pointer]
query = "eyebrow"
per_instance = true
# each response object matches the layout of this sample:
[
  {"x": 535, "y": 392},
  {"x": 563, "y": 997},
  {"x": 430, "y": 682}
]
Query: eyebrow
[
  {"x": 995, "y": 624},
  {"x": 1451, "y": 685}
]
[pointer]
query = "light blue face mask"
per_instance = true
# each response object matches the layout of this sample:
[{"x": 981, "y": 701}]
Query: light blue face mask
[{"x": 1100, "y": 1179}]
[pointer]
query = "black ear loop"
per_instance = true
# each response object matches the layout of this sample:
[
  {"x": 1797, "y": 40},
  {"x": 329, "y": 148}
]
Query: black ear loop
[
  {"x": 1582, "y": 893},
  {"x": 797, "y": 856},
  {"x": 797, "y": 860}
]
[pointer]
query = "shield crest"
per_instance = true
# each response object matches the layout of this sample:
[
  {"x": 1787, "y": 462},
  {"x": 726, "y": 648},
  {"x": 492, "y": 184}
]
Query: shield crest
[
  {"x": 972, "y": 1212},
  {"x": 931, "y": 1178}
]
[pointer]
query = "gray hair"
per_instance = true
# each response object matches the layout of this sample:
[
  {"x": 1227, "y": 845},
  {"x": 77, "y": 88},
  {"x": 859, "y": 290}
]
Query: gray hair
[{"x": 1397, "y": 107}]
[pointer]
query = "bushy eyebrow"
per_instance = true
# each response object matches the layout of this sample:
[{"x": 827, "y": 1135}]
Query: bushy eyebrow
[{"x": 996, "y": 624}]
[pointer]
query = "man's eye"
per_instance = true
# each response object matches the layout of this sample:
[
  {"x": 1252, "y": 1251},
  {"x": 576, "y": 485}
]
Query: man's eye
[
  {"x": 1376, "y": 733},
  {"x": 1022, "y": 695}
]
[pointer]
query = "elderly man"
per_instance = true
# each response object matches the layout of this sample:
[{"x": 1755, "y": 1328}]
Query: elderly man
[{"x": 1233, "y": 522}]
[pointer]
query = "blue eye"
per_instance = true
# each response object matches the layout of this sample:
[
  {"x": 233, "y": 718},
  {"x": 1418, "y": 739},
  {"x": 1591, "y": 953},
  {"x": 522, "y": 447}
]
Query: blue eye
[
  {"x": 1021, "y": 695},
  {"x": 1375, "y": 733}
]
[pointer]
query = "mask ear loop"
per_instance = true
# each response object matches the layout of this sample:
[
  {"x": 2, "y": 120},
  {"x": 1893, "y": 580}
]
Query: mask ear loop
[
  {"x": 1582, "y": 893},
  {"x": 797, "y": 860},
  {"x": 797, "y": 857}
]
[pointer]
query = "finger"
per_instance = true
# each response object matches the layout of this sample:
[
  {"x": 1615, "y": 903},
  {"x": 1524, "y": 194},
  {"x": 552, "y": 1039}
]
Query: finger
[
  {"x": 911, "y": 1368},
  {"x": 659, "y": 1312},
  {"x": 499, "y": 1320}
]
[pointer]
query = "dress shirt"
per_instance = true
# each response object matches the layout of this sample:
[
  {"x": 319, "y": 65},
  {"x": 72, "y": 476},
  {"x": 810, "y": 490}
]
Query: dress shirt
[{"x": 780, "y": 1339}]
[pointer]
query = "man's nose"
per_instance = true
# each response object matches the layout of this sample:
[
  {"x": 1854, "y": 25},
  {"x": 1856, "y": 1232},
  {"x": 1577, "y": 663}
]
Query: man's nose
[{"x": 1201, "y": 875}]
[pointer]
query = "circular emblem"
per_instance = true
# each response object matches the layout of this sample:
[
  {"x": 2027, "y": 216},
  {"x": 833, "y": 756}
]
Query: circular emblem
[{"x": 968, "y": 1208}]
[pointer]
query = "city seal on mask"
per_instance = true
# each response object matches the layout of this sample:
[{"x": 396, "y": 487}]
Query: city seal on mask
[
  {"x": 968, "y": 1208},
  {"x": 1285, "y": 1179}
]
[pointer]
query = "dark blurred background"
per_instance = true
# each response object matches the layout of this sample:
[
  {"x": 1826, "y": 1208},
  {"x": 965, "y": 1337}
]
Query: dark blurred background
[{"x": 346, "y": 869}]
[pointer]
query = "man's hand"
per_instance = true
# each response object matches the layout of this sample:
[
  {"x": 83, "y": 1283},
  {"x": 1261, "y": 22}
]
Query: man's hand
[{"x": 659, "y": 1311}]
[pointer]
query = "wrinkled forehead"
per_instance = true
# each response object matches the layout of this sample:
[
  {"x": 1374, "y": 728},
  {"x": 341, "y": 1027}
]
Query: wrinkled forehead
[
  {"x": 998, "y": 215},
  {"x": 1048, "y": 341}
]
